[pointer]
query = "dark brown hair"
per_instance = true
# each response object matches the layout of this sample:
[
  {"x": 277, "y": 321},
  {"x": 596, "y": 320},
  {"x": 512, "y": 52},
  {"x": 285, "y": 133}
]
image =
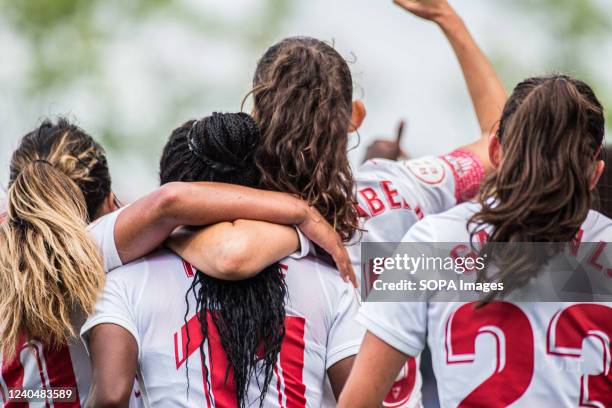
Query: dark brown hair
[
  {"x": 302, "y": 91},
  {"x": 550, "y": 133}
]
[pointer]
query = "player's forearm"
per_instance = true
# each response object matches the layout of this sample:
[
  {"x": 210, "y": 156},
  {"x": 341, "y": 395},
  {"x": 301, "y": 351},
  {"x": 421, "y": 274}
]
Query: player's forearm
[
  {"x": 205, "y": 203},
  {"x": 484, "y": 85},
  {"x": 145, "y": 224},
  {"x": 234, "y": 251}
]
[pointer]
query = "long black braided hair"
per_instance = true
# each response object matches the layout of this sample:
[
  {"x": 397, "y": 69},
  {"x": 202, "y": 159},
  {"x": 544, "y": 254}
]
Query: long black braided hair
[{"x": 249, "y": 315}]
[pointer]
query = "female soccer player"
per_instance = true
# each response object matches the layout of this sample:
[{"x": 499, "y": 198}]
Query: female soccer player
[
  {"x": 51, "y": 271},
  {"x": 506, "y": 353},
  {"x": 199, "y": 341},
  {"x": 303, "y": 102}
]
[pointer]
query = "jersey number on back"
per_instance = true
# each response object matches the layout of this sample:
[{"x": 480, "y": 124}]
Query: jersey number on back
[
  {"x": 289, "y": 368},
  {"x": 514, "y": 339}
]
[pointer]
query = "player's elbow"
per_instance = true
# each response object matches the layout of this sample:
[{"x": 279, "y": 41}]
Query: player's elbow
[
  {"x": 236, "y": 260},
  {"x": 168, "y": 198}
]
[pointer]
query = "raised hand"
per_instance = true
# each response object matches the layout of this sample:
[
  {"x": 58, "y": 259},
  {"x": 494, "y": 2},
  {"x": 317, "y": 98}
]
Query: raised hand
[
  {"x": 432, "y": 10},
  {"x": 387, "y": 149}
]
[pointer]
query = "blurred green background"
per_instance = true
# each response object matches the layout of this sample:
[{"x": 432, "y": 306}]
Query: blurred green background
[{"x": 129, "y": 72}]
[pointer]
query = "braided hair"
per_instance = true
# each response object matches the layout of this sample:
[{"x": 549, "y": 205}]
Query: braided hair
[
  {"x": 49, "y": 266},
  {"x": 249, "y": 315}
]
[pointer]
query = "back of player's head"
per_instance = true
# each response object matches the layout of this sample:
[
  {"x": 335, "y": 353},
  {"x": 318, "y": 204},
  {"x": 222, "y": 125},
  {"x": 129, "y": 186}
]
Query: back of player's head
[
  {"x": 71, "y": 151},
  {"x": 249, "y": 314},
  {"x": 302, "y": 94},
  {"x": 219, "y": 148},
  {"x": 49, "y": 267},
  {"x": 550, "y": 136}
]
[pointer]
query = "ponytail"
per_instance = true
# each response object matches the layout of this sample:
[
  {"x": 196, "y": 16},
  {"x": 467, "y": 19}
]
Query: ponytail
[
  {"x": 550, "y": 133},
  {"x": 50, "y": 270},
  {"x": 48, "y": 264}
]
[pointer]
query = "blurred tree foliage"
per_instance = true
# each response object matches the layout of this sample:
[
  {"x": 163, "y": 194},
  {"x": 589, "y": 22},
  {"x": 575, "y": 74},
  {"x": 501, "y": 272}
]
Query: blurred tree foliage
[
  {"x": 576, "y": 31},
  {"x": 65, "y": 39}
]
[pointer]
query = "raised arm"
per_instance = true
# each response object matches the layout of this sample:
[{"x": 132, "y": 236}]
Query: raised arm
[{"x": 484, "y": 85}]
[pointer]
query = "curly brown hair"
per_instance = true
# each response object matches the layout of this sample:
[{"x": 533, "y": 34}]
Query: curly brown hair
[
  {"x": 302, "y": 92},
  {"x": 551, "y": 131}
]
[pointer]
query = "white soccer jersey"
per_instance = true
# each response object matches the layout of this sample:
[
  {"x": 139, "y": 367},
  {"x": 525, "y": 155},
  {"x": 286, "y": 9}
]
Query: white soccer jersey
[
  {"x": 147, "y": 298},
  {"x": 392, "y": 196},
  {"x": 518, "y": 354},
  {"x": 39, "y": 367}
]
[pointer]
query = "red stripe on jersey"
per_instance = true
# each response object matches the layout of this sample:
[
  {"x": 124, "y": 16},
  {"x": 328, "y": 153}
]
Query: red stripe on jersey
[
  {"x": 224, "y": 391},
  {"x": 54, "y": 369},
  {"x": 188, "y": 269},
  {"x": 278, "y": 386},
  {"x": 13, "y": 376},
  {"x": 292, "y": 361}
]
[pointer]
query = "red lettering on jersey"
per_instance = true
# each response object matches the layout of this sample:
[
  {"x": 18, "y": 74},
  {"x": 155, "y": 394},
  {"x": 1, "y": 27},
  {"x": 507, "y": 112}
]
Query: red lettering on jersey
[
  {"x": 513, "y": 334},
  {"x": 574, "y": 244},
  {"x": 190, "y": 330},
  {"x": 401, "y": 390},
  {"x": 374, "y": 203},
  {"x": 567, "y": 331},
  {"x": 596, "y": 254},
  {"x": 223, "y": 393},
  {"x": 419, "y": 212},
  {"x": 465, "y": 251},
  {"x": 361, "y": 212},
  {"x": 391, "y": 193}
]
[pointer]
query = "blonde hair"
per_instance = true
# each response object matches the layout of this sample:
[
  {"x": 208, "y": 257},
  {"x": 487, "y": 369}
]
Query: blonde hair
[{"x": 49, "y": 266}]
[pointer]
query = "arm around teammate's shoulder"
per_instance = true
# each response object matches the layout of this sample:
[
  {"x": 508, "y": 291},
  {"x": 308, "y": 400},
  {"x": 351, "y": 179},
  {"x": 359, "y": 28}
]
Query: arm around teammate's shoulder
[
  {"x": 145, "y": 224},
  {"x": 234, "y": 250}
]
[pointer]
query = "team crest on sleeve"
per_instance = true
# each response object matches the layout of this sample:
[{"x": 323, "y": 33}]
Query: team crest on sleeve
[{"x": 427, "y": 170}]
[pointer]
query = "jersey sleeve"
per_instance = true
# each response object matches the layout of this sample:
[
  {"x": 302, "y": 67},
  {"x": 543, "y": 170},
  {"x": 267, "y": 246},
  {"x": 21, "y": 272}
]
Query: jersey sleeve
[
  {"x": 402, "y": 325},
  {"x": 305, "y": 246},
  {"x": 467, "y": 173},
  {"x": 427, "y": 185},
  {"x": 118, "y": 303},
  {"x": 442, "y": 182},
  {"x": 345, "y": 335},
  {"x": 102, "y": 231}
]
